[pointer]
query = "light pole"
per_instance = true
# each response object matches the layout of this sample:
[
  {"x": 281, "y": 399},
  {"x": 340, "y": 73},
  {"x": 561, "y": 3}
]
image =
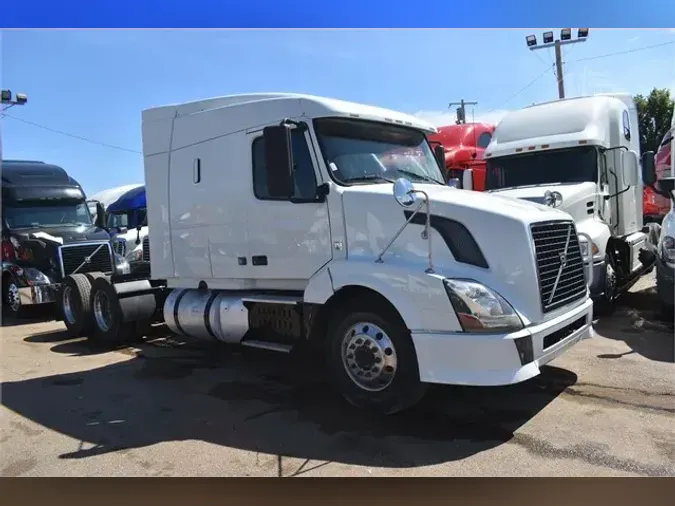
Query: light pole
[
  {"x": 461, "y": 110},
  {"x": 565, "y": 38},
  {"x": 7, "y": 99}
]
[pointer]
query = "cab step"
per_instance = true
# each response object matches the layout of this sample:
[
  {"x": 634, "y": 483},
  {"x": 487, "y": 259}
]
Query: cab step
[
  {"x": 291, "y": 300},
  {"x": 268, "y": 345}
]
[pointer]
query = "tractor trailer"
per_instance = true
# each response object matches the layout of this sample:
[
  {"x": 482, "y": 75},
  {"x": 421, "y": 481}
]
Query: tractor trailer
[
  {"x": 275, "y": 224},
  {"x": 582, "y": 156}
]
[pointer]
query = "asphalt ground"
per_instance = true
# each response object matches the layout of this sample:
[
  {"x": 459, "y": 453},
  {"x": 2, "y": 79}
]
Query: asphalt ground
[{"x": 169, "y": 407}]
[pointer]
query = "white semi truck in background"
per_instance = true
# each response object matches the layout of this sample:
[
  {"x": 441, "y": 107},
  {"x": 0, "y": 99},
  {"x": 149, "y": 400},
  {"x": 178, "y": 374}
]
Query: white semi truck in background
[
  {"x": 665, "y": 262},
  {"x": 275, "y": 223},
  {"x": 125, "y": 219},
  {"x": 582, "y": 155}
]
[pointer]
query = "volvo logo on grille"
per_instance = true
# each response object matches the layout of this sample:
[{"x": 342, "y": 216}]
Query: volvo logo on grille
[
  {"x": 562, "y": 255},
  {"x": 563, "y": 259},
  {"x": 87, "y": 260}
]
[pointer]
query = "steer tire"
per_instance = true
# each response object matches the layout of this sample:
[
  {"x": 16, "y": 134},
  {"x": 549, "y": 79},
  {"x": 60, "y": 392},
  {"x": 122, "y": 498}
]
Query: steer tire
[
  {"x": 366, "y": 315},
  {"x": 605, "y": 304},
  {"x": 74, "y": 304}
]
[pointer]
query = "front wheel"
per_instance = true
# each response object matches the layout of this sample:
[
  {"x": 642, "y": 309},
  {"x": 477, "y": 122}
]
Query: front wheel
[
  {"x": 372, "y": 359},
  {"x": 605, "y": 303},
  {"x": 10, "y": 299}
]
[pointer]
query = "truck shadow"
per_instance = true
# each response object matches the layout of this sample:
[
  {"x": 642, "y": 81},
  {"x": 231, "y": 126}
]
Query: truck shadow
[
  {"x": 261, "y": 402},
  {"x": 31, "y": 315},
  {"x": 638, "y": 322}
]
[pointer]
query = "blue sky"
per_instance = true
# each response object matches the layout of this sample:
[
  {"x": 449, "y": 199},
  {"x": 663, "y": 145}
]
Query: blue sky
[{"x": 94, "y": 84}]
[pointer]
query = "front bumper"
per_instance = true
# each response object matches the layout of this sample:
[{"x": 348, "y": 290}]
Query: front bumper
[
  {"x": 39, "y": 294},
  {"x": 665, "y": 282},
  {"x": 491, "y": 360}
]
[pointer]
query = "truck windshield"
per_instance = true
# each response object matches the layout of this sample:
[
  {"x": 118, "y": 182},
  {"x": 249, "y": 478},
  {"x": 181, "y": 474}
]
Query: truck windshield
[
  {"x": 563, "y": 166},
  {"x": 359, "y": 151},
  {"x": 37, "y": 214},
  {"x": 128, "y": 219}
]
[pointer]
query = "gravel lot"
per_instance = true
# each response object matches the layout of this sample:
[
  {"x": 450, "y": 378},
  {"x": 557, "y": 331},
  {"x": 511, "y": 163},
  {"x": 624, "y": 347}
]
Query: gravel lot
[{"x": 171, "y": 408}]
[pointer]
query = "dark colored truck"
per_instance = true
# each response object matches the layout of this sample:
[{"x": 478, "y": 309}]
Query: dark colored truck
[{"x": 47, "y": 234}]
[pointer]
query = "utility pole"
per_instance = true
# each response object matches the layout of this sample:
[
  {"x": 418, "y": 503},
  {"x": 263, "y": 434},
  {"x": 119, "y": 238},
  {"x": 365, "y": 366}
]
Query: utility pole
[
  {"x": 7, "y": 99},
  {"x": 565, "y": 38},
  {"x": 461, "y": 110}
]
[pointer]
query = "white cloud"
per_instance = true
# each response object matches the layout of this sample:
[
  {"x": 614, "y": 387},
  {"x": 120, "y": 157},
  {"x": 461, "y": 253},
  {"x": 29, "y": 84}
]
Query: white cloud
[{"x": 448, "y": 117}]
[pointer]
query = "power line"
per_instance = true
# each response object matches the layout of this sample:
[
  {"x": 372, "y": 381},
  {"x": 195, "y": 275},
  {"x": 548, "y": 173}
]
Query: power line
[
  {"x": 74, "y": 136},
  {"x": 590, "y": 58},
  {"x": 644, "y": 48},
  {"x": 523, "y": 89}
]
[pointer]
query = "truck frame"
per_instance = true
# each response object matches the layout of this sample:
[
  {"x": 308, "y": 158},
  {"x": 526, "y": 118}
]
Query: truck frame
[{"x": 275, "y": 225}]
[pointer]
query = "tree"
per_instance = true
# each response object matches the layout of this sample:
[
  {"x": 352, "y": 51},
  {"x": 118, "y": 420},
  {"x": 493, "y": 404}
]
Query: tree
[{"x": 655, "y": 113}]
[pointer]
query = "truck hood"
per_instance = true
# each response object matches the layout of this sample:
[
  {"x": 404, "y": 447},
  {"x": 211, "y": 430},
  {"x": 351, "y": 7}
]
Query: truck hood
[
  {"x": 42, "y": 243},
  {"x": 499, "y": 225},
  {"x": 576, "y": 197},
  {"x": 62, "y": 235}
]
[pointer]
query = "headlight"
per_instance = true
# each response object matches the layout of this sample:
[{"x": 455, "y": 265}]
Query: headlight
[
  {"x": 584, "y": 248},
  {"x": 121, "y": 264},
  {"x": 480, "y": 309},
  {"x": 35, "y": 277},
  {"x": 134, "y": 255},
  {"x": 668, "y": 249}
]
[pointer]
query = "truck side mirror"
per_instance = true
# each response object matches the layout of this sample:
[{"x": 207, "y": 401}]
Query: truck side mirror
[
  {"x": 100, "y": 215},
  {"x": 648, "y": 168},
  {"x": 629, "y": 162},
  {"x": 279, "y": 161},
  {"x": 467, "y": 179},
  {"x": 665, "y": 187},
  {"x": 439, "y": 153}
]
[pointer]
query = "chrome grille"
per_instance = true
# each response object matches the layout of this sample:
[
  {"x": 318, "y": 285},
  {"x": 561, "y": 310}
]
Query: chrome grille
[
  {"x": 88, "y": 257},
  {"x": 560, "y": 266},
  {"x": 120, "y": 246},
  {"x": 146, "y": 248}
]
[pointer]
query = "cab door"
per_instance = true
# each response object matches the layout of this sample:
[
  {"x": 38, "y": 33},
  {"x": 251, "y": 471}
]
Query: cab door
[{"x": 289, "y": 239}]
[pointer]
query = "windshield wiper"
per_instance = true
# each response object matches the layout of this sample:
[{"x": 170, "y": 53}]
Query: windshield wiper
[
  {"x": 421, "y": 176},
  {"x": 369, "y": 177},
  {"x": 72, "y": 222}
]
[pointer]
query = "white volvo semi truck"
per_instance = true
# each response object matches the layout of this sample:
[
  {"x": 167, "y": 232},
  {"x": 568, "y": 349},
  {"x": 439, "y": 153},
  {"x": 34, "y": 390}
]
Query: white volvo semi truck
[
  {"x": 582, "y": 155},
  {"x": 275, "y": 223}
]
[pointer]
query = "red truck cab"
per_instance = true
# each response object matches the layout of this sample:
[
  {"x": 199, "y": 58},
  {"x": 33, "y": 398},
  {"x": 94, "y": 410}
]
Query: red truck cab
[
  {"x": 656, "y": 206},
  {"x": 464, "y": 146}
]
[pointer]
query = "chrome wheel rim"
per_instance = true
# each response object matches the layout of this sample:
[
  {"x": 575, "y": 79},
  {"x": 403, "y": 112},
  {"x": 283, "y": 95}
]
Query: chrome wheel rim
[
  {"x": 369, "y": 356},
  {"x": 13, "y": 299},
  {"x": 68, "y": 309},
  {"x": 102, "y": 313}
]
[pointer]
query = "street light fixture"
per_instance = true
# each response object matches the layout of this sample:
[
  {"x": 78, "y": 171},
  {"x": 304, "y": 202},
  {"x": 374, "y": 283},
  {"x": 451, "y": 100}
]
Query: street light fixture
[
  {"x": 549, "y": 41},
  {"x": 6, "y": 99}
]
